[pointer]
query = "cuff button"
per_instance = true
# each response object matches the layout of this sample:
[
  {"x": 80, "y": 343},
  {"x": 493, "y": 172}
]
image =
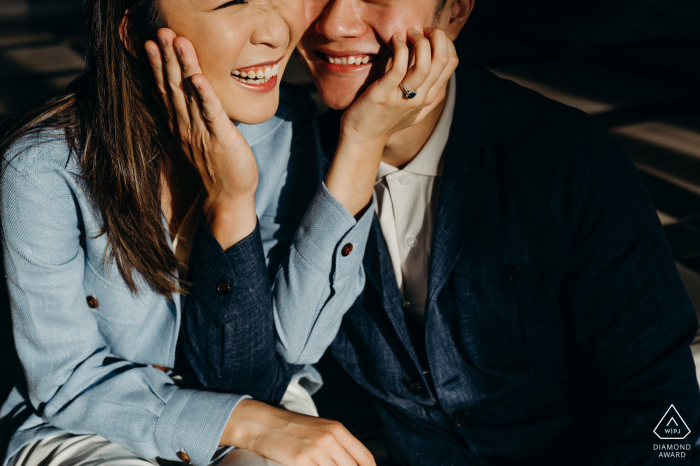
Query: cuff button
[
  {"x": 92, "y": 302},
  {"x": 184, "y": 457},
  {"x": 223, "y": 288},
  {"x": 347, "y": 249}
]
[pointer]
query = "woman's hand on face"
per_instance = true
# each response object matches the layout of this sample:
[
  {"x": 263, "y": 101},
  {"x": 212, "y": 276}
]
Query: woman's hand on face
[
  {"x": 293, "y": 439},
  {"x": 206, "y": 135},
  {"x": 383, "y": 109}
]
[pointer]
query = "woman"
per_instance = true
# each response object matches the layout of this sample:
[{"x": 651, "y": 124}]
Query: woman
[{"x": 94, "y": 194}]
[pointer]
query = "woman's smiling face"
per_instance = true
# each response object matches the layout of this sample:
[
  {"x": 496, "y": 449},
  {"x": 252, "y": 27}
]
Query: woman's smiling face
[{"x": 243, "y": 47}]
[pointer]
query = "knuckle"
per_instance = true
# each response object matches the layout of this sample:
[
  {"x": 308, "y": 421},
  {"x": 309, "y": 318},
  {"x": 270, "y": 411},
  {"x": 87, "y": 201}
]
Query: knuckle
[
  {"x": 161, "y": 89},
  {"x": 173, "y": 86},
  {"x": 366, "y": 458},
  {"x": 423, "y": 71},
  {"x": 303, "y": 458},
  {"x": 208, "y": 115},
  {"x": 337, "y": 427},
  {"x": 442, "y": 60},
  {"x": 185, "y": 132}
]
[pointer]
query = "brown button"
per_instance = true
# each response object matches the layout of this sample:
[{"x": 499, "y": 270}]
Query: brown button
[
  {"x": 347, "y": 249},
  {"x": 162, "y": 368},
  {"x": 184, "y": 457},
  {"x": 92, "y": 302}
]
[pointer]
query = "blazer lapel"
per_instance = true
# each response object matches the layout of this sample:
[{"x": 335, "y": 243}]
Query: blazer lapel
[
  {"x": 380, "y": 274},
  {"x": 464, "y": 183}
]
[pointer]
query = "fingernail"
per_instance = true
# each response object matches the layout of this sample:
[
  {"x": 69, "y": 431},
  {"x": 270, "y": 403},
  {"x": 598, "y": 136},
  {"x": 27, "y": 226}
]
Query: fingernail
[
  {"x": 398, "y": 37},
  {"x": 195, "y": 84},
  {"x": 150, "y": 52},
  {"x": 414, "y": 31},
  {"x": 162, "y": 41},
  {"x": 177, "y": 50}
]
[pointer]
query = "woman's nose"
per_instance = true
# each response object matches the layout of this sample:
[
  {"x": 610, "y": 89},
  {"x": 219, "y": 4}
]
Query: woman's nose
[
  {"x": 340, "y": 19},
  {"x": 272, "y": 31}
]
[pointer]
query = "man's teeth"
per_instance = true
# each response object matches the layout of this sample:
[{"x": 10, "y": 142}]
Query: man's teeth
[
  {"x": 349, "y": 60},
  {"x": 256, "y": 76}
]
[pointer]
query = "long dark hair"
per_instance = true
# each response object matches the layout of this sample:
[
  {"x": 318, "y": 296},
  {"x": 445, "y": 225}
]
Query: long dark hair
[{"x": 112, "y": 124}]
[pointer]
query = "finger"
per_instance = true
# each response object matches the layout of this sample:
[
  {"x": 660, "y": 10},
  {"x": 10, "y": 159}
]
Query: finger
[
  {"x": 161, "y": 95},
  {"x": 440, "y": 56},
  {"x": 356, "y": 449},
  {"x": 453, "y": 61},
  {"x": 173, "y": 84},
  {"x": 221, "y": 130},
  {"x": 422, "y": 52},
  {"x": 189, "y": 66},
  {"x": 342, "y": 458},
  {"x": 399, "y": 65}
]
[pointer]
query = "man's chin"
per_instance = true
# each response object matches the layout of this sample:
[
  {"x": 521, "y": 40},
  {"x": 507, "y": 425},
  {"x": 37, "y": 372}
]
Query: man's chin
[{"x": 339, "y": 99}]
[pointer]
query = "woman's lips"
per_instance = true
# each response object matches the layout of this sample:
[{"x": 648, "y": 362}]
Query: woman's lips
[
  {"x": 262, "y": 85},
  {"x": 256, "y": 74}
]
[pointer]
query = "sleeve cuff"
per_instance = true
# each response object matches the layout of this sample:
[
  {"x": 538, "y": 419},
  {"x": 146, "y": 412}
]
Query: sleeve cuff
[
  {"x": 329, "y": 238},
  {"x": 192, "y": 424},
  {"x": 238, "y": 274}
]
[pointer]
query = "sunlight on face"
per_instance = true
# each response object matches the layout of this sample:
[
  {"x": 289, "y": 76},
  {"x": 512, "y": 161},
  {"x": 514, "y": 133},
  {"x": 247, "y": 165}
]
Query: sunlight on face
[
  {"x": 340, "y": 30},
  {"x": 243, "y": 47}
]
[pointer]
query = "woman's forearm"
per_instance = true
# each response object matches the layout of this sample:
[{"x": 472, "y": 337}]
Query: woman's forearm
[
  {"x": 353, "y": 172},
  {"x": 231, "y": 220}
]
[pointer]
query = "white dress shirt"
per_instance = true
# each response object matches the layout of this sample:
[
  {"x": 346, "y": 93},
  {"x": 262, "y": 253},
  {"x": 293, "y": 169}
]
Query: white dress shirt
[{"x": 406, "y": 207}]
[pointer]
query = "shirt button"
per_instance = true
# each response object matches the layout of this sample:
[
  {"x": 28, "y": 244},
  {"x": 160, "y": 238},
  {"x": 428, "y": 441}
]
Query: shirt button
[
  {"x": 514, "y": 273},
  {"x": 92, "y": 302},
  {"x": 405, "y": 180},
  {"x": 184, "y": 457},
  {"x": 460, "y": 418},
  {"x": 223, "y": 288},
  {"x": 347, "y": 249},
  {"x": 411, "y": 241}
]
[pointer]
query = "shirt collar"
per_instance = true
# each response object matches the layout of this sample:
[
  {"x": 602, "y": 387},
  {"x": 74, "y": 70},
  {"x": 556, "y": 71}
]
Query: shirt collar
[{"x": 428, "y": 161}]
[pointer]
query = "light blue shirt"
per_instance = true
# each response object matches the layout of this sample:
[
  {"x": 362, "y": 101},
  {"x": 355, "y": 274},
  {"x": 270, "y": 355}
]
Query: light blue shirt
[{"x": 89, "y": 371}]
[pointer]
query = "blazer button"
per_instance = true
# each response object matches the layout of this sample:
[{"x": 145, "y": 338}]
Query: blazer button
[
  {"x": 92, "y": 302},
  {"x": 460, "y": 418},
  {"x": 347, "y": 249},
  {"x": 223, "y": 288},
  {"x": 414, "y": 387},
  {"x": 514, "y": 273},
  {"x": 184, "y": 457}
]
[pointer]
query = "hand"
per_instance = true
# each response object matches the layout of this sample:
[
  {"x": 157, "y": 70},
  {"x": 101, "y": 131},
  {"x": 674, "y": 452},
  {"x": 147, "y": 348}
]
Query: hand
[
  {"x": 293, "y": 439},
  {"x": 207, "y": 137},
  {"x": 382, "y": 110}
]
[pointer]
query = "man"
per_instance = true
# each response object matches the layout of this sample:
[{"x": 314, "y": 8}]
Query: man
[{"x": 522, "y": 305}]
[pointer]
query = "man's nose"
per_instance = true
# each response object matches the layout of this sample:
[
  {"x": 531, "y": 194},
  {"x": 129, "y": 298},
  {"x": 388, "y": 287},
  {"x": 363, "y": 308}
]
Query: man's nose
[
  {"x": 340, "y": 19},
  {"x": 272, "y": 30}
]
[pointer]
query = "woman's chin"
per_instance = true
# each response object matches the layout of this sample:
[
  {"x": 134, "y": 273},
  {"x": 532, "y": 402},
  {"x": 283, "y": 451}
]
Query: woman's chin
[{"x": 253, "y": 113}]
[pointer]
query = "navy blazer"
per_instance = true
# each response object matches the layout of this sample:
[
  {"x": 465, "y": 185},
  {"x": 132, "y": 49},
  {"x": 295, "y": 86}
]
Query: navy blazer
[{"x": 558, "y": 328}]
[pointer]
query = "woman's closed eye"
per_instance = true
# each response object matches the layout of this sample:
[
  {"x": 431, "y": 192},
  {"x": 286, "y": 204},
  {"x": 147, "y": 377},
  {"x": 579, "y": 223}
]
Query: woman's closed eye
[{"x": 231, "y": 3}]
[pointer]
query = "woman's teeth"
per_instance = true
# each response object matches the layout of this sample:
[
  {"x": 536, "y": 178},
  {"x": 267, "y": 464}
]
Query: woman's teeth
[
  {"x": 361, "y": 60},
  {"x": 256, "y": 75}
]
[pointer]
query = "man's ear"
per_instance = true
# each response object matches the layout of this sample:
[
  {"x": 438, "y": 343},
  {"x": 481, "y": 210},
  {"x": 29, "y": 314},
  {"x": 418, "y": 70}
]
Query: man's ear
[
  {"x": 124, "y": 36},
  {"x": 459, "y": 13}
]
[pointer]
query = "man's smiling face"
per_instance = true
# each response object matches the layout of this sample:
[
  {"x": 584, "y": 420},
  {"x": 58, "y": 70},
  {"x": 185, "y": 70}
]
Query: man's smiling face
[{"x": 345, "y": 43}]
